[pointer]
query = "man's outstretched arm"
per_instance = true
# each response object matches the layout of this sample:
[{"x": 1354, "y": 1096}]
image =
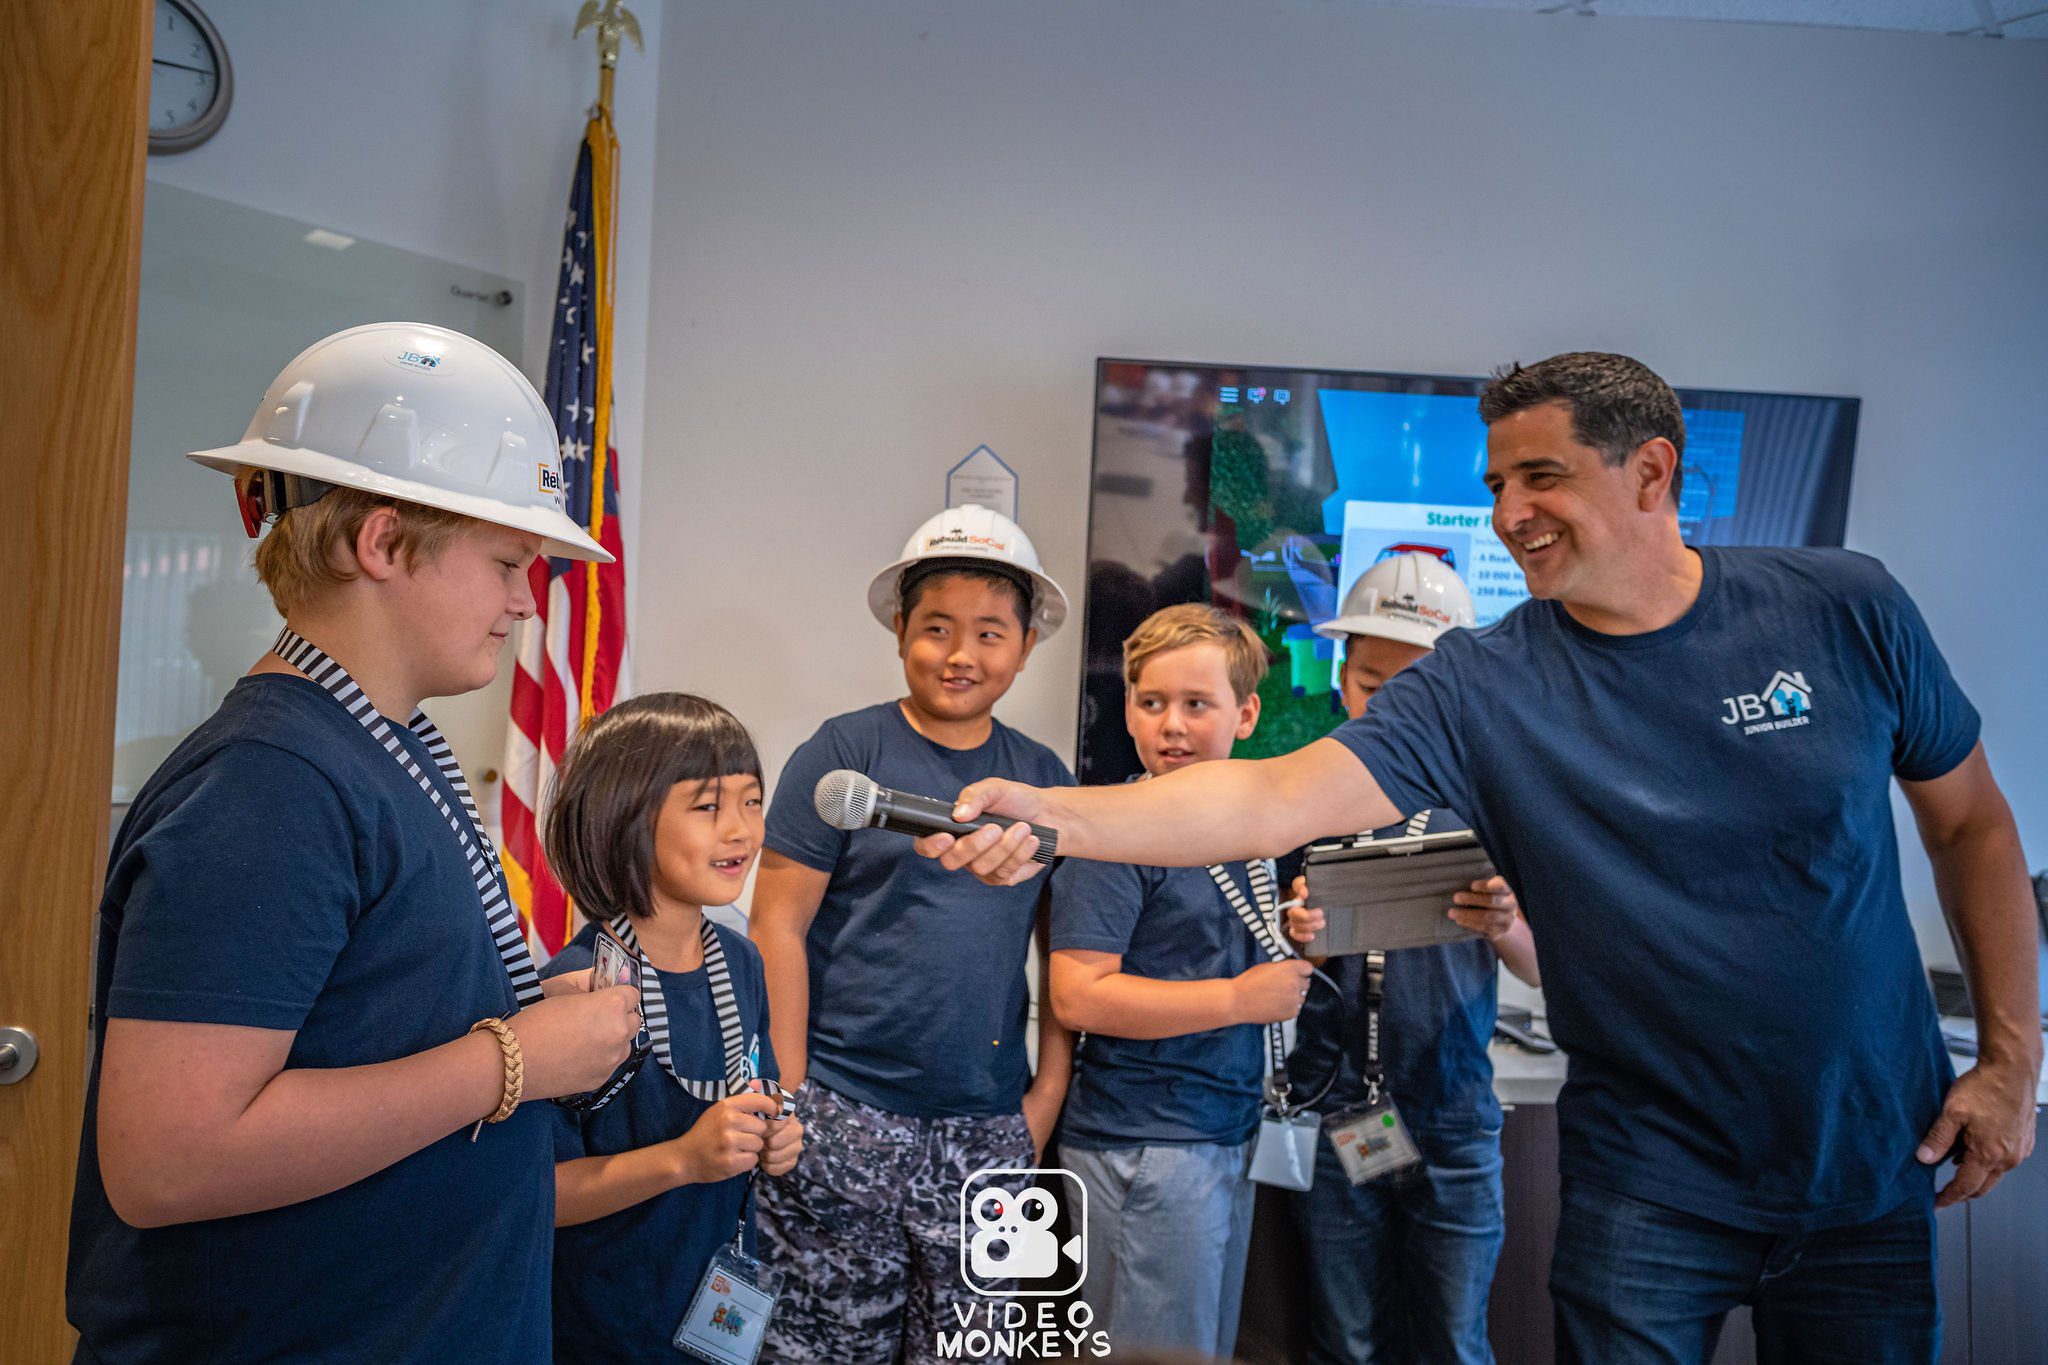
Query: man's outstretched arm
[{"x": 1205, "y": 813}]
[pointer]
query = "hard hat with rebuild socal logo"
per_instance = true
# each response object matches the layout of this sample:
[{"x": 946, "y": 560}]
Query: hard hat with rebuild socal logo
[
  {"x": 1413, "y": 598},
  {"x": 976, "y": 538}
]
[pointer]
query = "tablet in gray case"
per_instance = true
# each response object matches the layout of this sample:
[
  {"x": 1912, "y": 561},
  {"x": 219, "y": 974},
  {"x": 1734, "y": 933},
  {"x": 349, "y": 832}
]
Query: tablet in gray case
[{"x": 1391, "y": 893}]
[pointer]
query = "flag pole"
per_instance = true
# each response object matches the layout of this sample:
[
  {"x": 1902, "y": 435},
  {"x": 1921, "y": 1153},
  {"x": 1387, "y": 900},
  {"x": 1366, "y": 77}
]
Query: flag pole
[
  {"x": 571, "y": 657},
  {"x": 613, "y": 22}
]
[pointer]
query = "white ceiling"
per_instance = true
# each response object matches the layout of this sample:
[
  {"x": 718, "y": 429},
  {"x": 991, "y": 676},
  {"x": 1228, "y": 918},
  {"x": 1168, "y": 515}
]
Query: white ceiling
[{"x": 1963, "y": 18}]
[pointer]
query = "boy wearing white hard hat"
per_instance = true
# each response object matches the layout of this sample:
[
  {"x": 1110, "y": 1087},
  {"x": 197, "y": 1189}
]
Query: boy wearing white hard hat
[
  {"x": 1400, "y": 1267},
  {"x": 897, "y": 990},
  {"x": 316, "y": 1018}
]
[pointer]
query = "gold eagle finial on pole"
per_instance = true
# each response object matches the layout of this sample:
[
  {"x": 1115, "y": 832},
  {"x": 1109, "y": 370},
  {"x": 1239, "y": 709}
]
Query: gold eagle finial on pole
[{"x": 613, "y": 21}]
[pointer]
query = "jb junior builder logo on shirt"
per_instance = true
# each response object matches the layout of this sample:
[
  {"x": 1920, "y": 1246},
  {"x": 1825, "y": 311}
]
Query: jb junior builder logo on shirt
[{"x": 1785, "y": 701}]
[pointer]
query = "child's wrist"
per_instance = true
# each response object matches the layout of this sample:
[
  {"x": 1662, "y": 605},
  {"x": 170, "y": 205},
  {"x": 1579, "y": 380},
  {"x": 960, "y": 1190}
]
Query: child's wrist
[{"x": 683, "y": 1163}]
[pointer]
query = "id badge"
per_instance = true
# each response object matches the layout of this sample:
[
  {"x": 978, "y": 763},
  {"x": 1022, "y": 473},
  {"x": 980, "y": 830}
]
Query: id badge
[
  {"x": 611, "y": 964},
  {"x": 1372, "y": 1142},
  {"x": 728, "y": 1317},
  {"x": 1284, "y": 1153}
]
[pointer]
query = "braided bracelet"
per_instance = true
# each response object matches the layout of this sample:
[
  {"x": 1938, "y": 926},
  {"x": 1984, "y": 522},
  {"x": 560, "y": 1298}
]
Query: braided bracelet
[{"x": 515, "y": 1071}]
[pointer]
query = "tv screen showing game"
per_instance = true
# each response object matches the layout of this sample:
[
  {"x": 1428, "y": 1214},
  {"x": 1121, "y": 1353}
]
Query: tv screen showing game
[{"x": 1268, "y": 491}]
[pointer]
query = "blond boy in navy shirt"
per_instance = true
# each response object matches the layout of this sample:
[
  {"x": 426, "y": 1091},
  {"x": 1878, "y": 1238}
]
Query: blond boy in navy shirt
[{"x": 1155, "y": 967}]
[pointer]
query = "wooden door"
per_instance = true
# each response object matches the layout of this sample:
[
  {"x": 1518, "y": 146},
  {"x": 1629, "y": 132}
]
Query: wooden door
[{"x": 73, "y": 78}]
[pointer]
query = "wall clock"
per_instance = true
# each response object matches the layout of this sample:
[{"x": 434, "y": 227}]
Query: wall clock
[{"x": 190, "y": 81}]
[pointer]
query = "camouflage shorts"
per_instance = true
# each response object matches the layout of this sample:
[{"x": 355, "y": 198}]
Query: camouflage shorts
[{"x": 864, "y": 1235}]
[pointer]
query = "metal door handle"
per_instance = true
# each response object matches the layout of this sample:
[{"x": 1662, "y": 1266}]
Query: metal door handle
[{"x": 17, "y": 1054}]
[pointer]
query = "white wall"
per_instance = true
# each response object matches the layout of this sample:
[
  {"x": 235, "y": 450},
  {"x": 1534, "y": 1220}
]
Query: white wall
[
  {"x": 449, "y": 129},
  {"x": 893, "y": 230}
]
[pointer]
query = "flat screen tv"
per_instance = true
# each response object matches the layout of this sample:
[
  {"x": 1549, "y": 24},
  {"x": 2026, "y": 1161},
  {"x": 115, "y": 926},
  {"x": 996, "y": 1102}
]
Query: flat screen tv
[{"x": 1268, "y": 490}]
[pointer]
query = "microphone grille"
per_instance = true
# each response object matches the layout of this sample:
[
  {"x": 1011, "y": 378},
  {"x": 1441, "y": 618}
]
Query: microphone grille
[{"x": 845, "y": 799}]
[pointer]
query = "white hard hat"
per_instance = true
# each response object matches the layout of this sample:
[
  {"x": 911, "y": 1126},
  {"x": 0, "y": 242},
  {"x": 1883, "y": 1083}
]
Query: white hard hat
[
  {"x": 1412, "y": 597},
  {"x": 978, "y": 538},
  {"x": 416, "y": 413}
]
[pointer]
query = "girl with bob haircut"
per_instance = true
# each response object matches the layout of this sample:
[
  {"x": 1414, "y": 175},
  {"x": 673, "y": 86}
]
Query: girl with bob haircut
[{"x": 656, "y": 813}]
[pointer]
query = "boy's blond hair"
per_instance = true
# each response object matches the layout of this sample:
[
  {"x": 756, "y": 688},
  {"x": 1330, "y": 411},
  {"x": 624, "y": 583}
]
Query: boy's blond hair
[
  {"x": 1198, "y": 623},
  {"x": 313, "y": 547}
]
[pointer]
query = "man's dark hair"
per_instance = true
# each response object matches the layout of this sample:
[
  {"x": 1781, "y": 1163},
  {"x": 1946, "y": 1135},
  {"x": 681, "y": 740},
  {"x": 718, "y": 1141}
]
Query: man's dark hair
[
  {"x": 918, "y": 577},
  {"x": 607, "y": 795},
  {"x": 1616, "y": 403}
]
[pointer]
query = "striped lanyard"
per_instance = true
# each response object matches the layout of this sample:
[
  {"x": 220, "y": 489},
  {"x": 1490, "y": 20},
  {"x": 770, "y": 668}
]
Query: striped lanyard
[
  {"x": 739, "y": 1069},
  {"x": 1373, "y": 1072},
  {"x": 1267, "y": 934},
  {"x": 477, "y": 849}
]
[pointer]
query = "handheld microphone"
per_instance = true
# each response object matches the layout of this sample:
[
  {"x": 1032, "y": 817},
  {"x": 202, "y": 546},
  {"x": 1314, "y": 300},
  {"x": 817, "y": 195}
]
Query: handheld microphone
[{"x": 849, "y": 800}]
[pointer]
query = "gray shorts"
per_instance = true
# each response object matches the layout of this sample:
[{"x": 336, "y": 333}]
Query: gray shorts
[{"x": 1168, "y": 1229}]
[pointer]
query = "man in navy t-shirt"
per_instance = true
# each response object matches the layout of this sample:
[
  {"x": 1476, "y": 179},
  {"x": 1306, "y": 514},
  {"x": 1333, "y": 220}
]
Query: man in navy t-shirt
[
  {"x": 303, "y": 1133},
  {"x": 1681, "y": 760}
]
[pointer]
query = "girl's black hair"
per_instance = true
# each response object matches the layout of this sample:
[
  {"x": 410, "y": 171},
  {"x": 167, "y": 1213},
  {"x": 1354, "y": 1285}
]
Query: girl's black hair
[{"x": 608, "y": 791}]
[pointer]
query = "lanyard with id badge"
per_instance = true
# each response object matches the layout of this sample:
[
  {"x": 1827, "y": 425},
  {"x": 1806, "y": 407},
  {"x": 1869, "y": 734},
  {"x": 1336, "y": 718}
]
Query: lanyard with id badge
[
  {"x": 1371, "y": 1140},
  {"x": 1284, "y": 1151},
  {"x": 727, "y": 1319},
  {"x": 728, "y": 1315},
  {"x": 614, "y": 964}
]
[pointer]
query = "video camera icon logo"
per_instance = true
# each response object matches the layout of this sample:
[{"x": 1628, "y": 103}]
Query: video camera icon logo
[{"x": 1010, "y": 1232}]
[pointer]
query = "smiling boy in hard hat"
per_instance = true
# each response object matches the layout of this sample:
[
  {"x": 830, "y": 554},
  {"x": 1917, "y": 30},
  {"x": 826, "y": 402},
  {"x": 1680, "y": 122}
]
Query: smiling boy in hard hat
[
  {"x": 897, "y": 990},
  {"x": 1400, "y": 1266},
  {"x": 314, "y": 1011}
]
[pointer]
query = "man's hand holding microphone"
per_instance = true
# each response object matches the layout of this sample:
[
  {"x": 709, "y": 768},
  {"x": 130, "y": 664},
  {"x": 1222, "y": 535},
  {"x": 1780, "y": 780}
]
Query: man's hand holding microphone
[{"x": 999, "y": 855}]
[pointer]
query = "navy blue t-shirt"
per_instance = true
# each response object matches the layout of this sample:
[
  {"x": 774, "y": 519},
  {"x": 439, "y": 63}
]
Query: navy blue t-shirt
[
  {"x": 624, "y": 1281},
  {"x": 1436, "y": 1019},
  {"x": 280, "y": 871},
  {"x": 1170, "y": 924},
  {"x": 917, "y": 973},
  {"x": 1698, "y": 823}
]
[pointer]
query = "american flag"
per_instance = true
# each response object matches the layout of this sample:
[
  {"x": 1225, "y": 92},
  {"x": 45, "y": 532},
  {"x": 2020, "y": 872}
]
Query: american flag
[{"x": 571, "y": 660}]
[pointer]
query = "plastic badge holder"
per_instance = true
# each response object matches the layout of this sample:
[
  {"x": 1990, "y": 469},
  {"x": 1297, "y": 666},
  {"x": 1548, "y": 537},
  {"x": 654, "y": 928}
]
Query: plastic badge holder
[
  {"x": 728, "y": 1317},
  {"x": 1284, "y": 1153},
  {"x": 1372, "y": 1141},
  {"x": 1391, "y": 893}
]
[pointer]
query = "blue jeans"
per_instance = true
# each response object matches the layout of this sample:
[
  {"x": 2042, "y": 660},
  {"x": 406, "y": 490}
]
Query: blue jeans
[
  {"x": 1168, "y": 1227},
  {"x": 1634, "y": 1283},
  {"x": 1400, "y": 1268}
]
